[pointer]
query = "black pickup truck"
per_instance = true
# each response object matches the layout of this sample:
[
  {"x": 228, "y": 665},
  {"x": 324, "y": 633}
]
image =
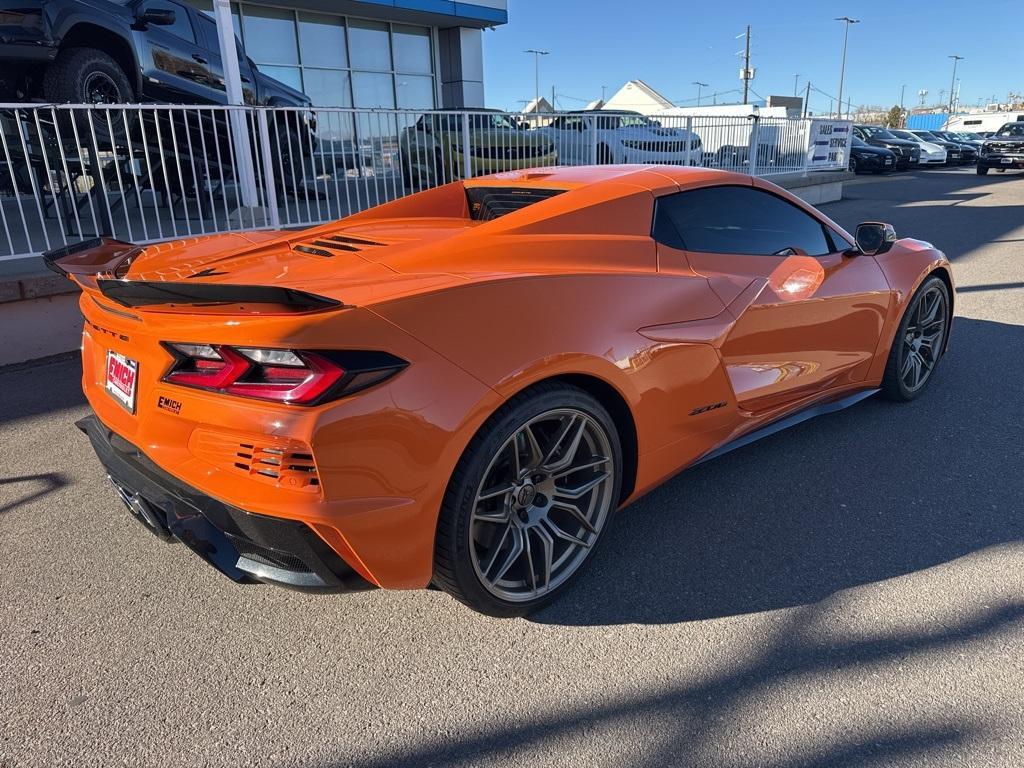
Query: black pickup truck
[
  {"x": 139, "y": 52},
  {"x": 109, "y": 52},
  {"x": 1003, "y": 149}
]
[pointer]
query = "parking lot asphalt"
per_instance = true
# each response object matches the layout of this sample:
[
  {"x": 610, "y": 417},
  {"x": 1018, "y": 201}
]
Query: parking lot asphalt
[{"x": 849, "y": 592}]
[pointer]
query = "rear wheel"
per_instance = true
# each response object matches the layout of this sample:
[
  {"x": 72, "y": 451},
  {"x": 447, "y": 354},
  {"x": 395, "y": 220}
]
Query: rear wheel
[
  {"x": 853, "y": 164},
  {"x": 529, "y": 501},
  {"x": 982, "y": 170},
  {"x": 919, "y": 342}
]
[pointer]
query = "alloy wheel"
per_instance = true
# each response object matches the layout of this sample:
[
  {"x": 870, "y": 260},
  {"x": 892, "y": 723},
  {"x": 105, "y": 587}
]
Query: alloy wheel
[
  {"x": 922, "y": 338},
  {"x": 542, "y": 504},
  {"x": 100, "y": 88}
]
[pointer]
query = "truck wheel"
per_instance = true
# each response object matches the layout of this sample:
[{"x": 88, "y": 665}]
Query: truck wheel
[
  {"x": 982, "y": 170},
  {"x": 90, "y": 76}
]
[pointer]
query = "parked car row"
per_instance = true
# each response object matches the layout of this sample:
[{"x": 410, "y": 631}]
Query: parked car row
[{"x": 879, "y": 149}]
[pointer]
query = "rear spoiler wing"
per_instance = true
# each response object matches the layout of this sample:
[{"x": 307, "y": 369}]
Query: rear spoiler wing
[{"x": 103, "y": 263}]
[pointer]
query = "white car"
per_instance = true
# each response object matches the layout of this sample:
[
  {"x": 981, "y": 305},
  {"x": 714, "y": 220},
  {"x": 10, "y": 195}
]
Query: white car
[
  {"x": 609, "y": 136},
  {"x": 931, "y": 154}
]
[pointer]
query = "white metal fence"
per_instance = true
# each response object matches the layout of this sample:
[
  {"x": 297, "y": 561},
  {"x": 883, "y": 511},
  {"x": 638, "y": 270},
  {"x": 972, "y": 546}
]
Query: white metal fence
[{"x": 145, "y": 173}]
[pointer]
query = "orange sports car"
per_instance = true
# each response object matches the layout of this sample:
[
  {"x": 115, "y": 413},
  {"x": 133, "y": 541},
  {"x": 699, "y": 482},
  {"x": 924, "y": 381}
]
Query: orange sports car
[{"x": 460, "y": 388}]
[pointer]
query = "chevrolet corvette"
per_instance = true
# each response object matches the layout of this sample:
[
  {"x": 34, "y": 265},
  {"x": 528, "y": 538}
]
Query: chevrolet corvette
[{"x": 461, "y": 388}]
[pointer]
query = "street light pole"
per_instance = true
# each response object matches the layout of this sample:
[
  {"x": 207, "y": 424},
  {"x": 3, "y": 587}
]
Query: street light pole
[
  {"x": 536, "y": 75},
  {"x": 952, "y": 87},
  {"x": 903, "y": 90},
  {"x": 796, "y": 83},
  {"x": 699, "y": 86},
  {"x": 842, "y": 69}
]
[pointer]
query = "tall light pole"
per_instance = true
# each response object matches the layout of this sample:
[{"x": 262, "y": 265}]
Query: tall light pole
[
  {"x": 903, "y": 90},
  {"x": 952, "y": 87},
  {"x": 842, "y": 69},
  {"x": 699, "y": 85},
  {"x": 796, "y": 83},
  {"x": 536, "y": 75}
]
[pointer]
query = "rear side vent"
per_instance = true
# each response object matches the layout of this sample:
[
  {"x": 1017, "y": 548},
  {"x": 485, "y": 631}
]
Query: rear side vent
[
  {"x": 289, "y": 468},
  {"x": 283, "y": 463}
]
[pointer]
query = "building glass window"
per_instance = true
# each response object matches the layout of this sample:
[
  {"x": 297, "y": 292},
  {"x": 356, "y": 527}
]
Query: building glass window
[
  {"x": 412, "y": 49},
  {"x": 374, "y": 90},
  {"x": 322, "y": 40},
  {"x": 370, "y": 46},
  {"x": 268, "y": 35},
  {"x": 414, "y": 92},
  {"x": 328, "y": 87},
  {"x": 338, "y": 61}
]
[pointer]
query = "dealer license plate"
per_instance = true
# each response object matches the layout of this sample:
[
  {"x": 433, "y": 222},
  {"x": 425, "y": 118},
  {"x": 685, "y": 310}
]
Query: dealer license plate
[{"x": 122, "y": 379}]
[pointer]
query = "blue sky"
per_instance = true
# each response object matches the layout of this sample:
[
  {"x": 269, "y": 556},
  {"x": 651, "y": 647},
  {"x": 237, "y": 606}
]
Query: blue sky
[{"x": 671, "y": 43}]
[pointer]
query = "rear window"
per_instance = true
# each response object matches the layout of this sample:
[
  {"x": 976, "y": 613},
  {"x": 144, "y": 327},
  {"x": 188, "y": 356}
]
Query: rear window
[{"x": 486, "y": 203}]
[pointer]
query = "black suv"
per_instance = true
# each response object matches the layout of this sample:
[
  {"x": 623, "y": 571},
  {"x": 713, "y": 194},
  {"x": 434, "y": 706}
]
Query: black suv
[
  {"x": 1003, "y": 149},
  {"x": 108, "y": 52},
  {"x": 908, "y": 154}
]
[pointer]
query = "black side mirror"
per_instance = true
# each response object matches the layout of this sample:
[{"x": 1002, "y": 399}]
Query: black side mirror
[
  {"x": 874, "y": 237},
  {"x": 161, "y": 17}
]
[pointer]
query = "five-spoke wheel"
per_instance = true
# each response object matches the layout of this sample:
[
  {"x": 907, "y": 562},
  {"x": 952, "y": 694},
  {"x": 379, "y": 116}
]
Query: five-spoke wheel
[
  {"x": 919, "y": 343},
  {"x": 529, "y": 502}
]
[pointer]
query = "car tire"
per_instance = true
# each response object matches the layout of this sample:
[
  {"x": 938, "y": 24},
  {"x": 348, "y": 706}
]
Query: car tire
[
  {"x": 982, "y": 170},
  {"x": 90, "y": 76},
  {"x": 604, "y": 155},
  {"x": 501, "y": 506},
  {"x": 853, "y": 164},
  {"x": 922, "y": 333}
]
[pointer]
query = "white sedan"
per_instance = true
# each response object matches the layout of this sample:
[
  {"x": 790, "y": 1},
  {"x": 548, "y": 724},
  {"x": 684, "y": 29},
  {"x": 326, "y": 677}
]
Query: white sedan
[
  {"x": 610, "y": 136},
  {"x": 931, "y": 154}
]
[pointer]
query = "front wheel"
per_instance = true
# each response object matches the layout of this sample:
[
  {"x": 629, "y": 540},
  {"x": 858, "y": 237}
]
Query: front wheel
[
  {"x": 529, "y": 501},
  {"x": 919, "y": 342}
]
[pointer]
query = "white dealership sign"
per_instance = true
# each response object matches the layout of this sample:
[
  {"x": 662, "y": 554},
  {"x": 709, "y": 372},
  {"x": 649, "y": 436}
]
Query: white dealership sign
[{"x": 829, "y": 144}]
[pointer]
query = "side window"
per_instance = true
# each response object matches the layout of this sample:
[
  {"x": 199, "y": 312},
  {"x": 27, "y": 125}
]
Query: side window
[
  {"x": 733, "y": 219},
  {"x": 182, "y": 26}
]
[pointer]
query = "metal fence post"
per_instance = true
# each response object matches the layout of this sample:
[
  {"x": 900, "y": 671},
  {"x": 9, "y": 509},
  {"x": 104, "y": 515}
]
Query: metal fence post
[
  {"x": 689, "y": 140},
  {"x": 592, "y": 149},
  {"x": 467, "y": 149},
  {"x": 270, "y": 188},
  {"x": 755, "y": 143},
  {"x": 807, "y": 147}
]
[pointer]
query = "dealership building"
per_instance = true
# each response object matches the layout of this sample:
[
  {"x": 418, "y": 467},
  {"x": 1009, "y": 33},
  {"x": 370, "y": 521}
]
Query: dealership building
[{"x": 390, "y": 54}]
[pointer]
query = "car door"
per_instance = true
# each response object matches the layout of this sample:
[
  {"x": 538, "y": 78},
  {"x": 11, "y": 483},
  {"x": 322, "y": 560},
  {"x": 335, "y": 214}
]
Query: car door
[
  {"x": 175, "y": 65},
  {"x": 807, "y": 316},
  {"x": 209, "y": 38}
]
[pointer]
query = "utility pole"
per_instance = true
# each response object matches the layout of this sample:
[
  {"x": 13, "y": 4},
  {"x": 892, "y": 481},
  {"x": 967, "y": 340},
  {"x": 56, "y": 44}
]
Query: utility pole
[
  {"x": 842, "y": 69},
  {"x": 807, "y": 97},
  {"x": 552, "y": 97},
  {"x": 903, "y": 90},
  {"x": 952, "y": 86},
  {"x": 536, "y": 74},
  {"x": 699, "y": 85},
  {"x": 796, "y": 83},
  {"x": 746, "y": 67},
  {"x": 603, "y": 87}
]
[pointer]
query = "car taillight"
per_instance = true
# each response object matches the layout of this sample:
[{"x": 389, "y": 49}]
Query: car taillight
[{"x": 298, "y": 377}]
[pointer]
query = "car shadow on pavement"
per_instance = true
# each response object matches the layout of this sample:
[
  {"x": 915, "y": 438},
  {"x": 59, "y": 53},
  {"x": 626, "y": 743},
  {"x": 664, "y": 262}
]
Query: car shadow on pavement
[
  {"x": 874, "y": 492},
  {"x": 39, "y": 486},
  {"x": 37, "y": 388},
  {"x": 706, "y": 721}
]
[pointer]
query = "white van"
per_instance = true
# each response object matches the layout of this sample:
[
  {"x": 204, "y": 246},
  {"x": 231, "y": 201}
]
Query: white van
[{"x": 983, "y": 121}]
